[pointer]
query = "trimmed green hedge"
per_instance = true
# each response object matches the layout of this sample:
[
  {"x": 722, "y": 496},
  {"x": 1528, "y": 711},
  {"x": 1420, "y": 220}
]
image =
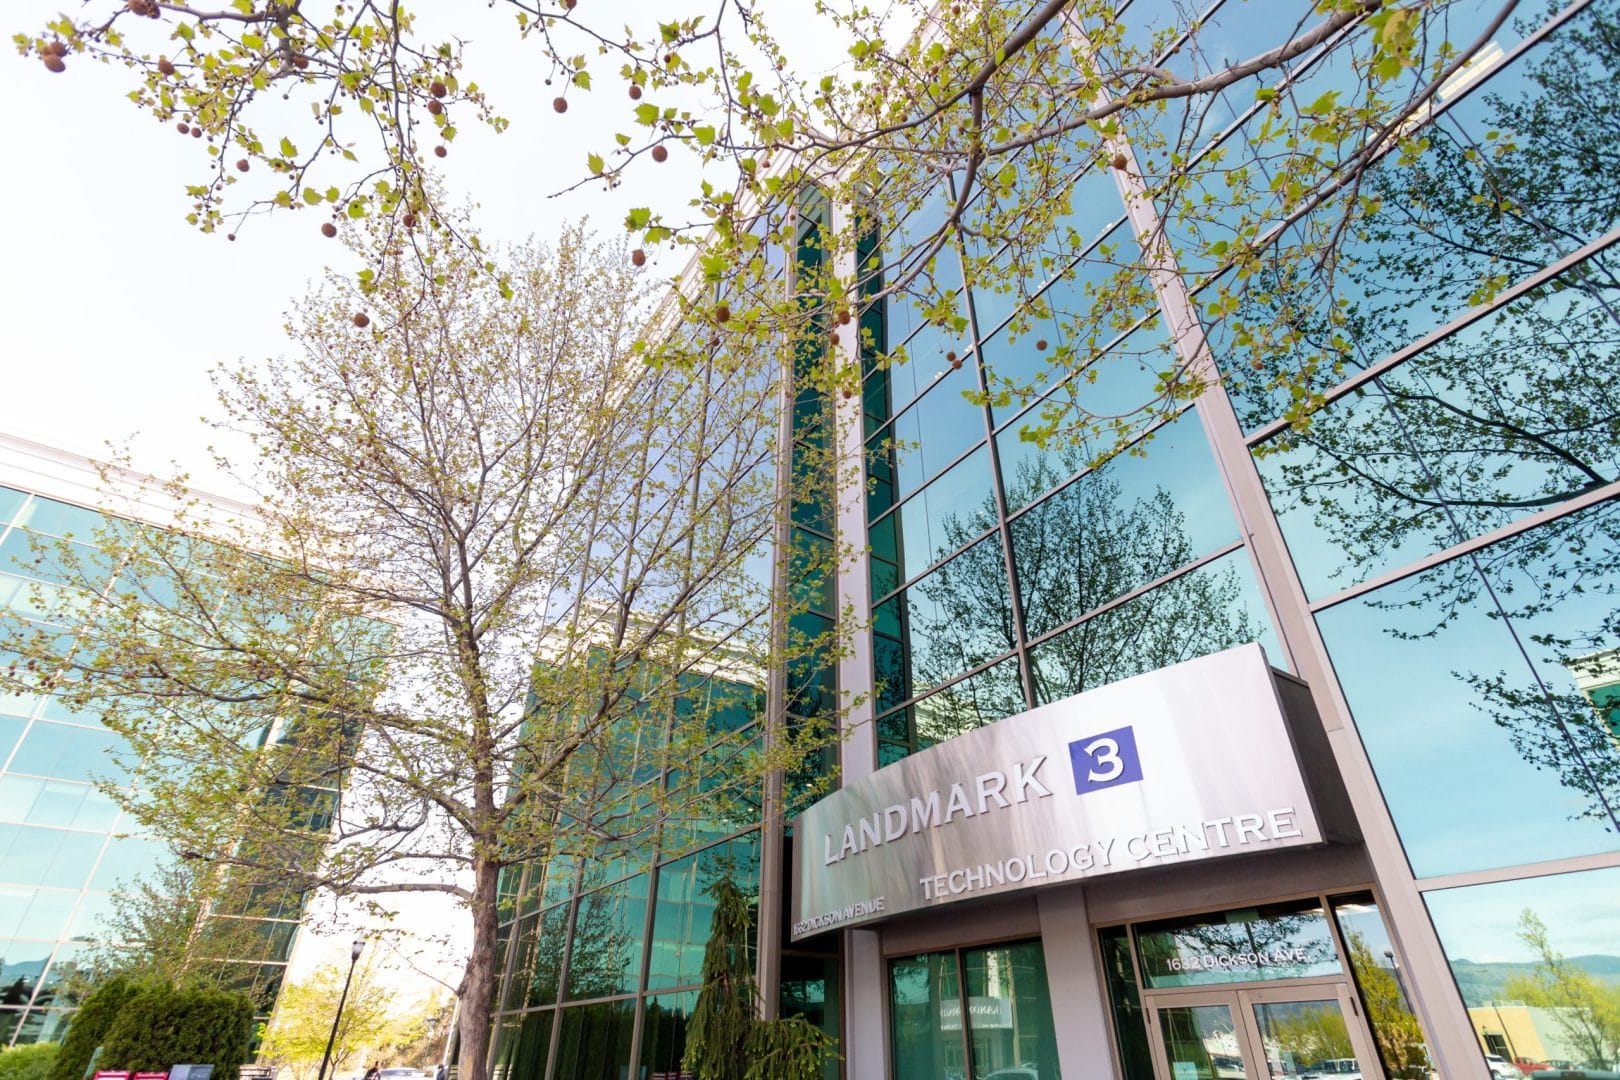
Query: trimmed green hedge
[
  {"x": 27, "y": 1062},
  {"x": 161, "y": 1026},
  {"x": 89, "y": 1025}
]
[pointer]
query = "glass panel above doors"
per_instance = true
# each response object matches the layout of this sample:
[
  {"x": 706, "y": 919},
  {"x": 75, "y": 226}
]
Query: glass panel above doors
[{"x": 1290, "y": 940}]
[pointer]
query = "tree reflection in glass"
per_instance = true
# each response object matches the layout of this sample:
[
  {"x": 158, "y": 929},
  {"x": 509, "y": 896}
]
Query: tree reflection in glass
[{"x": 1483, "y": 691}]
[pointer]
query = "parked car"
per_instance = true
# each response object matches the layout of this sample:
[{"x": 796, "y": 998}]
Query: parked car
[
  {"x": 404, "y": 1074},
  {"x": 1578, "y": 1074},
  {"x": 1333, "y": 1069},
  {"x": 1502, "y": 1069}
]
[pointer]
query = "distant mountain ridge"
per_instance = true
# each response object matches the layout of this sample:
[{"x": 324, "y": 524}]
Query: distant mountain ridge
[{"x": 1485, "y": 982}]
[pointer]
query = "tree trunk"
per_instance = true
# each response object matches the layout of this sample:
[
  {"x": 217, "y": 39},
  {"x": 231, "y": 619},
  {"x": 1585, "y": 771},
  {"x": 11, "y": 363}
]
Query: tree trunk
[{"x": 477, "y": 986}]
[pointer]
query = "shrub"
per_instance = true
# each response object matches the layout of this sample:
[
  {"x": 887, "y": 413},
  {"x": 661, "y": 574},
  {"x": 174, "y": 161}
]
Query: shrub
[
  {"x": 88, "y": 1027},
  {"x": 162, "y": 1026},
  {"x": 27, "y": 1062}
]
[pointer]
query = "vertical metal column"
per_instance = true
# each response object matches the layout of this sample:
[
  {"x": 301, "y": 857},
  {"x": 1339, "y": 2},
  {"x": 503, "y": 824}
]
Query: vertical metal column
[
  {"x": 1074, "y": 980},
  {"x": 1450, "y": 1034},
  {"x": 768, "y": 939}
]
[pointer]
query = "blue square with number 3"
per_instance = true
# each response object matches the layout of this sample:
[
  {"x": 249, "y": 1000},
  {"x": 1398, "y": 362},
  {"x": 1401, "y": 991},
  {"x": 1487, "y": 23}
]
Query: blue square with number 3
[{"x": 1107, "y": 759}]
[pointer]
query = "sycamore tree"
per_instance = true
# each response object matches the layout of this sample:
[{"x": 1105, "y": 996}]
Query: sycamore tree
[
  {"x": 970, "y": 123},
  {"x": 507, "y": 587}
]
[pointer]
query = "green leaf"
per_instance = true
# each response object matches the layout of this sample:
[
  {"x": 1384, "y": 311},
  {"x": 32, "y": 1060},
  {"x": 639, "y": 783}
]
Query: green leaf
[
  {"x": 595, "y": 163},
  {"x": 582, "y": 79},
  {"x": 704, "y": 134},
  {"x": 288, "y": 150},
  {"x": 638, "y": 218},
  {"x": 646, "y": 114}
]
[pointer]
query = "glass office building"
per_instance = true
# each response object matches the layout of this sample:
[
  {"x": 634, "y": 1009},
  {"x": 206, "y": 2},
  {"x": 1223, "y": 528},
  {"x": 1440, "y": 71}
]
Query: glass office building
[
  {"x": 1432, "y": 563},
  {"x": 66, "y": 850}
]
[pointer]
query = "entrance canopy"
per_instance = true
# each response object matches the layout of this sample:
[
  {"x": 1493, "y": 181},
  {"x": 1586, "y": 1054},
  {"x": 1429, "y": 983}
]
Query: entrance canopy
[{"x": 1184, "y": 764}]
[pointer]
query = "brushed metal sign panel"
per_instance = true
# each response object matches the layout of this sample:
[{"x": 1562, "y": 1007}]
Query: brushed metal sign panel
[{"x": 1183, "y": 764}]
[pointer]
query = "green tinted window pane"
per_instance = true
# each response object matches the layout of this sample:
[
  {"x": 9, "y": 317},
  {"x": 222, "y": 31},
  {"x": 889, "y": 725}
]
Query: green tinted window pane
[
  {"x": 973, "y": 702},
  {"x": 549, "y": 881},
  {"x": 725, "y": 800},
  {"x": 1536, "y": 962},
  {"x": 1009, "y": 1011},
  {"x": 810, "y": 988},
  {"x": 55, "y": 802},
  {"x": 1130, "y": 1022},
  {"x": 594, "y": 1040},
  {"x": 33, "y": 913},
  {"x": 1201, "y": 1042},
  {"x": 503, "y": 1042},
  {"x": 1461, "y": 692},
  {"x": 521, "y": 1045},
  {"x": 925, "y": 1017},
  {"x": 17, "y": 797},
  {"x": 1382, "y": 985},
  {"x": 537, "y": 964},
  {"x": 14, "y": 901},
  {"x": 936, "y": 431},
  {"x": 942, "y": 517},
  {"x": 956, "y": 618},
  {"x": 10, "y": 1021},
  {"x": 607, "y": 940},
  {"x": 685, "y": 909},
  {"x": 1289, "y": 940},
  {"x": 1214, "y": 607},
  {"x": 663, "y": 1032}
]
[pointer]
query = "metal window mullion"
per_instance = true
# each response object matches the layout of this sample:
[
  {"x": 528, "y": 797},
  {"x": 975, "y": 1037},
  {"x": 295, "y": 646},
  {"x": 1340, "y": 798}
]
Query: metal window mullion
[
  {"x": 1584, "y": 501},
  {"x": 562, "y": 968},
  {"x": 998, "y": 490}
]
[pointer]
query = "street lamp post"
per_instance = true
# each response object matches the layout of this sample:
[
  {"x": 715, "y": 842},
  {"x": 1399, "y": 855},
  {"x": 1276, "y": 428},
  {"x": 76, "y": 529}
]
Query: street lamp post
[{"x": 354, "y": 957}]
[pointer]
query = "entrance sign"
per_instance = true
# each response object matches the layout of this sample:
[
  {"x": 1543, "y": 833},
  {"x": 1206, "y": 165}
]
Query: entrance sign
[{"x": 1183, "y": 764}]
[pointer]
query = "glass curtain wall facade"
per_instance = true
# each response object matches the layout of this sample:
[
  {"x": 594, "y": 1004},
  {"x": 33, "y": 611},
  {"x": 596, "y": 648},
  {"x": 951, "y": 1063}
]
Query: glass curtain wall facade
[
  {"x": 601, "y": 959},
  {"x": 1435, "y": 555},
  {"x": 1449, "y": 533},
  {"x": 65, "y": 852}
]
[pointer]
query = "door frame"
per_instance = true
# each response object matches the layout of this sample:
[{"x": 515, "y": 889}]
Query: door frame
[{"x": 1241, "y": 998}]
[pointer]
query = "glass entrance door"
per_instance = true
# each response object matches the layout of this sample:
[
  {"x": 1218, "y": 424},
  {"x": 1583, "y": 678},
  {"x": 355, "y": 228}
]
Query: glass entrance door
[
  {"x": 1201, "y": 1037},
  {"x": 1309, "y": 1032}
]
